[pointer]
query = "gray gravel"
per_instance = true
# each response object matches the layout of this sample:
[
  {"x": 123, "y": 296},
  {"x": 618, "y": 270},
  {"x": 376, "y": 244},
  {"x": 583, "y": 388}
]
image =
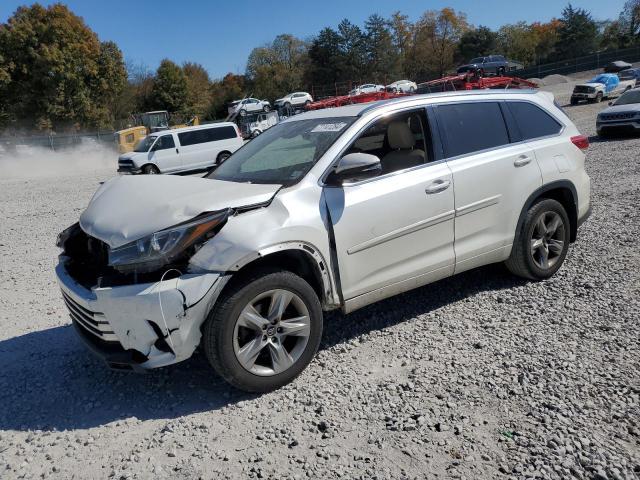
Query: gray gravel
[{"x": 478, "y": 376}]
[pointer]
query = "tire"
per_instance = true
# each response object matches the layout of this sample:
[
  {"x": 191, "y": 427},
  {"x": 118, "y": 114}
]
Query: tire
[
  {"x": 527, "y": 263},
  {"x": 598, "y": 97},
  {"x": 255, "y": 133},
  {"x": 226, "y": 336},
  {"x": 307, "y": 103},
  {"x": 412, "y": 90},
  {"x": 243, "y": 112},
  {"x": 222, "y": 156},
  {"x": 287, "y": 106},
  {"x": 500, "y": 72},
  {"x": 266, "y": 108},
  {"x": 150, "y": 170},
  {"x": 574, "y": 101}
]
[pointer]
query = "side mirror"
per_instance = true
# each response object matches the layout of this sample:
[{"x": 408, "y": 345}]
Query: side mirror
[{"x": 355, "y": 167}]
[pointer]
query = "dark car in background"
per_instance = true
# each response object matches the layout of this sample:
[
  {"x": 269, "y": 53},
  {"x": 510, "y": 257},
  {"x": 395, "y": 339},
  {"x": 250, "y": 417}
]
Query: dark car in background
[
  {"x": 630, "y": 74},
  {"x": 491, "y": 64}
]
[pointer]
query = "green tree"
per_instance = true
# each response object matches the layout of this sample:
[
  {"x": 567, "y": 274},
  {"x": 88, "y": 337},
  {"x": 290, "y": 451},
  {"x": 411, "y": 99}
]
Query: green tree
[
  {"x": 198, "y": 88},
  {"x": 435, "y": 42},
  {"x": 518, "y": 42},
  {"x": 477, "y": 42},
  {"x": 170, "y": 88},
  {"x": 401, "y": 33},
  {"x": 577, "y": 34},
  {"x": 352, "y": 51},
  {"x": 277, "y": 67},
  {"x": 325, "y": 65},
  {"x": 54, "y": 72},
  {"x": 380, "y": 54}
]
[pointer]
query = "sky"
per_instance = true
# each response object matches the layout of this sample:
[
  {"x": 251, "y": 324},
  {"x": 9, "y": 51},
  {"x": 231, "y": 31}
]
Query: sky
[{"x": 221, "y": 34}]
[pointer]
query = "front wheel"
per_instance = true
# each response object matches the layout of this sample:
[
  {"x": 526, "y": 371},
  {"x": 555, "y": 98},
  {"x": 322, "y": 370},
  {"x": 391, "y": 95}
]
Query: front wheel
[
  {"x": 150, "y": 170},
  {"x": 598, "y": 97},
  {"x": 541, "y": 244},
  {"x": 264, "y": 330},
  {"x": 266, "y": 108}
]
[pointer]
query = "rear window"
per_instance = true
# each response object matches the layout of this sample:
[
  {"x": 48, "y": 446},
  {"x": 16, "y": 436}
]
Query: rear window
[
  {"x": 194, "y": 137},
  {"x": 532, "y": 121},
  {"x": 472, "y": 127}
]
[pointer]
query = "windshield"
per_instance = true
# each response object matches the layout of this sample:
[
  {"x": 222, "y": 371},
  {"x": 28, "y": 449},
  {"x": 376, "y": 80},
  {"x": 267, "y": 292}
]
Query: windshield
[
  {"x": 599, "y": 79},
  {"x": 284, "y": 153},
  {"x": 144, "y": 144},
  {"x": 476, "y": 60},
  {"x": 632, "y": 96}
]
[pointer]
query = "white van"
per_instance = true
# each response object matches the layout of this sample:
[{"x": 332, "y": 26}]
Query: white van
[{"x": 182, "y": 149}]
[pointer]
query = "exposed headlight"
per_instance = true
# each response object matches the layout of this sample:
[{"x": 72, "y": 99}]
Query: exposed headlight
[
  {"x": 64, "y": 235},
  {"x": 160, "y": 248}
]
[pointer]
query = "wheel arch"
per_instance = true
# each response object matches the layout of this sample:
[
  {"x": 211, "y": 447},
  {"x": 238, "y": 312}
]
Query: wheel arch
[
  {"x": 297, "y": 257},
  {"x": 564, "y": 192}
]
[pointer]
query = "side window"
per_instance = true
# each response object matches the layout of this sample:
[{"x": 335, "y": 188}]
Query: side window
[
  {"x": 164, "y": 142},
  {"x": 129, "y": 138},
  {"x": 400, "y": 141},
  {"x": 532, "y": 121},
  {"x": 471, "y": 127}
]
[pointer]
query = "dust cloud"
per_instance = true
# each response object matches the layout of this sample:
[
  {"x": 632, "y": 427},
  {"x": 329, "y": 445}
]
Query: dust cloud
[{"x": 29, "y": 162}]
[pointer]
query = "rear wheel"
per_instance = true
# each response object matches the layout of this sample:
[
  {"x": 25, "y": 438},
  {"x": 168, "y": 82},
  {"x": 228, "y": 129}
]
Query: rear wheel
[
  {"x": 500, "y": 71},
  {"x": 264, "y": 330},
  {"x": 266, "y": 108},
  {"x": 541, "y": 245},
  {"x": 150, "y": 170}
]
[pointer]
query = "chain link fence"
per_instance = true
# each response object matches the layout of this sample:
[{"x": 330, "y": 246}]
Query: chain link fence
[{"x": 579, "y": 64}]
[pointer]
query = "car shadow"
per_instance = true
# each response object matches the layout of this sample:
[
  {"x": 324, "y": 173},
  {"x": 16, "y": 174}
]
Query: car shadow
[
  {"x": 613, "y": 137},
  {"x": 49, "y": 381}
]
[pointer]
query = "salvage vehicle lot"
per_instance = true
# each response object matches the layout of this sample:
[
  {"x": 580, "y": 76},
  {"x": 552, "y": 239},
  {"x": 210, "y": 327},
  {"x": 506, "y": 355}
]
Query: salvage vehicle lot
[{"x": 478, "y": 376}]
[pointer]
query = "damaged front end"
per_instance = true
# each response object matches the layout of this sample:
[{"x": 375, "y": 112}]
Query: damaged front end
[{"x": 140, "y": 305}]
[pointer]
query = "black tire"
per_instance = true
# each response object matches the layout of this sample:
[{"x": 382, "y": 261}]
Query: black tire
[
  {"x": 307, "y": 103},
  {"x": 218, "y": 332},
  {"x": 598, "y": 97},
  {"x": 255, "y": 133},
  {"x": 500, "y": 72},
  {"x": 243, "y": 112},
  {"x": 521, "y": 262},
  {"x": 266, "y": 109},
  {"x": 150, "y": 170},
  {"x": 222, "y": 156},
  {"x": 574, "y": 101}
]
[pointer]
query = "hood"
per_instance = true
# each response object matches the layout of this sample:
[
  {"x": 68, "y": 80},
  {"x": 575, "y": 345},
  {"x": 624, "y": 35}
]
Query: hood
[
  {"x": 127, "y": 208},
  {"x": 128, "y": 155},
  {"x": 590, "y": 84},
  {"x": 630, "y": 108}
]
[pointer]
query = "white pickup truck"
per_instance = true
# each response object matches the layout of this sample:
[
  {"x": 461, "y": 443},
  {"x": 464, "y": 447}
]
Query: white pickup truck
[{"x": 605, "y": 85}]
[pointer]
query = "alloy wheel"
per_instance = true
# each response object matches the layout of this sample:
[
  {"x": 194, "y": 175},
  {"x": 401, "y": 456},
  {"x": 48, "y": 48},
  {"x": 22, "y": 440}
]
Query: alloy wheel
[
  {"x": 272, "y": 332},
  {"x": 548, "y": 239}
]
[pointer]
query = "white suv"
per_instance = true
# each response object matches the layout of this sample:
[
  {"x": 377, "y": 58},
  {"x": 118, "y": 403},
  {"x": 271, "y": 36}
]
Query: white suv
[
  {"x": 331, "y": 209},
  {"x": 297, "y": 99},
  {"x": 248, "y": 105}
]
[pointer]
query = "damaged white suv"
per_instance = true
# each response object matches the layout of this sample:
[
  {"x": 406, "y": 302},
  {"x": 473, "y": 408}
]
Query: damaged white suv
[{"x": 331, "y": 209}]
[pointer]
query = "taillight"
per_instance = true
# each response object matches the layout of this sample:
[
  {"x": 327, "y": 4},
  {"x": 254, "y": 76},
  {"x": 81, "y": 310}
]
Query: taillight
[{"x": 581, "y": 141}]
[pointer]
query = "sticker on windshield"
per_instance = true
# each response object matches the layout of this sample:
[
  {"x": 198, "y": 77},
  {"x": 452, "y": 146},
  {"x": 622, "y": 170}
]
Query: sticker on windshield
[{"x": 328, "y": 127}]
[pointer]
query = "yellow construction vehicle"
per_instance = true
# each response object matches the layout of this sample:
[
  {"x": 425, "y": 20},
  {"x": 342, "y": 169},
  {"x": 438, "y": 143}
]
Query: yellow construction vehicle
[{"x": 146, "y": 123}]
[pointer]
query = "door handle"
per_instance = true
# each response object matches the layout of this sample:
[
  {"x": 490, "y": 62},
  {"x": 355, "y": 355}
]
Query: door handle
[
  {"x": 437, "y": 186},
  {"x": 522, "y": 160}
]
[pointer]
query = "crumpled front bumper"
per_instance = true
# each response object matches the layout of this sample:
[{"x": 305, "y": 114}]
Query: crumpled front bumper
[{"x": 141, "y": 326}]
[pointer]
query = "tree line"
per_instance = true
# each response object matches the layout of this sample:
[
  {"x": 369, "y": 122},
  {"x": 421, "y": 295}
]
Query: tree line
[{"x": 56, "y": 74}]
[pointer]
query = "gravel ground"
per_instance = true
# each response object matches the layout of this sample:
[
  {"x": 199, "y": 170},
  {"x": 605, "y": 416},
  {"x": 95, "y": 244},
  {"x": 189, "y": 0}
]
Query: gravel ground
[{"x": 478, "y": 376}]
